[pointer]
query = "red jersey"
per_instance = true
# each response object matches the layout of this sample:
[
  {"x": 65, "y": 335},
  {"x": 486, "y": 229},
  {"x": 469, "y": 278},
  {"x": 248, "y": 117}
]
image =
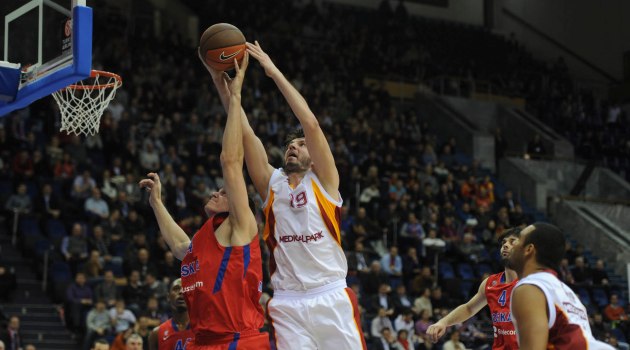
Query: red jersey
[
  {"x": 222, "y": 287},
  {"x": 498, "y": 294},
  {"x": 171, "y": 338}
]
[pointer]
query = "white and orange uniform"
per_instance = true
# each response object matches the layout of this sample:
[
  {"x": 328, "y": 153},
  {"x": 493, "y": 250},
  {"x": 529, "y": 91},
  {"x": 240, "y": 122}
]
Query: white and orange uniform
[
  {"x": 312, "y": 307},
  {"x": 568, "y": 321}
]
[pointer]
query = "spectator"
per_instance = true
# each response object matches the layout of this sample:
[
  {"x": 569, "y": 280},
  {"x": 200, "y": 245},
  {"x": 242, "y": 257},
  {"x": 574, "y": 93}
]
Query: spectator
[
  {"x": 565, "y": 272},
  {"x": 98, "y": 323},
  {"x": 122, "y": 318},
  {"x": 404, "y": 322},
  {"x": 93, "y": 268},
  {"x": 383, "y": 300},
  {"x": 600, "y": 276},
  {"x": 404, "y": 339},
  {"x": 48, "y": 205},
  {"x": 422, "y": 281},
  {"x": 363, "y": 227},
  {"x": 134, "y": 293},
  {"x": 11, "y": 337},
  {"x": 423, "y": 302},
  {"x": 387, "y": 341},
  {"x": 423, "y": 323},
  {"x": 100, "y": 344},
  {"x": 411, "y": 265},
  {"x": 79, "y": 301},
  {"x": 96, "y": 207},
  {"x": 581, "y": 273},
  {"x": 74, "y": 247},
  {"x": 453, "y": 343},
  {"x": 401, "y": 300},
  {"x": 615, "y": 312},
  {"x": 83, "y": 185},
  {"x": 141, "y": 262},
  {"x": 23, "y": 165},
  {"x": 380, "y": 322},
  {"x": 19, "y": 201},
  {"x": 169, "y": 267},
  {"x": 107, "y": 290},
  {"x": 154, "y": 317},
  {"x": 392, "y": 266},
  {"x": 358, "y": 260},
  {"x": 156, "y": 288},
  {"x": 109, "y": 186},
  {"x": 113, "y": 227}
]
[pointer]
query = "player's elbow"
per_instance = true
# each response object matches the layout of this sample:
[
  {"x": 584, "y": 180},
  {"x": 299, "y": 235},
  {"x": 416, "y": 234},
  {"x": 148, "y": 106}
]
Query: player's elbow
[{"x": 231, "y": 158}]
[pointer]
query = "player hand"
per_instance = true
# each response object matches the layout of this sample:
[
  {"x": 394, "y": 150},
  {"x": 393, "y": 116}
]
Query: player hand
[
  {"x": 154, "y": 186},
  {"x": 236, "y": 84},
  {"x": 435, "y": 332},
  {"x": 257, "y": 52},
  {"x": 216, "y": 74}
]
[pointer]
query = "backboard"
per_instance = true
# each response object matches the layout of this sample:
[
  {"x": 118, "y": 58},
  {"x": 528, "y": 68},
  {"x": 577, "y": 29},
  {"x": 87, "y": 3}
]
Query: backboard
[{"x": 47, "y": 45}]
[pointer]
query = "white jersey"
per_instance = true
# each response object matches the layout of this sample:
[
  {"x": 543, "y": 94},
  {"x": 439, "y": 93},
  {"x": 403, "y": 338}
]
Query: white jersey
[
  {"x": 302, "y": 231},
  {"x": 568, "y": 321}
]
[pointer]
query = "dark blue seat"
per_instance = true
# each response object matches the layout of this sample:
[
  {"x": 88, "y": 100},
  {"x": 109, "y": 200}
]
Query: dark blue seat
[
  {"x": 600, "y": 297},
  {"x": 446, "y": 270},
  {"x": 465, "y": 271}
]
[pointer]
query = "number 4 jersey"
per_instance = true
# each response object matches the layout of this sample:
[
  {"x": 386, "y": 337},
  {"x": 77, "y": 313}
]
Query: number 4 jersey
[{"x": 498, "y": 294}]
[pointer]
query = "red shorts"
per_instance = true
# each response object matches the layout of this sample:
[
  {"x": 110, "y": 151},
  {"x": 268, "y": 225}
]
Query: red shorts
[{"x": 254, "y": 342}]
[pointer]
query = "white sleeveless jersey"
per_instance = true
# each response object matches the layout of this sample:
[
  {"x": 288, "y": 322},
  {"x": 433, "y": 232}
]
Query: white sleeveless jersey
[
  {"x": 302, "y": 231},
  {"x": 568, "y": 321}
]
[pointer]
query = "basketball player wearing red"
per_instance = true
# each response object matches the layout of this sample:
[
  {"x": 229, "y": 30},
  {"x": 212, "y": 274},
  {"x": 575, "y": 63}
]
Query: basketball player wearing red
[
  {"x": 312, "y": 308},
  {"x": 221, "y": 267},
  {"x": 174, "y": 333},
  {"x": 494, "y": 291},
  {"x": 546, "y": 312}
]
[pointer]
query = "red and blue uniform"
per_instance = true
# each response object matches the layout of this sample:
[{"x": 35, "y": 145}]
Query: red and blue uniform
[
  {"x": 171, "y": 338},
  {"x": 498, "y": 294},
  {"x": 222, "y": 287}
]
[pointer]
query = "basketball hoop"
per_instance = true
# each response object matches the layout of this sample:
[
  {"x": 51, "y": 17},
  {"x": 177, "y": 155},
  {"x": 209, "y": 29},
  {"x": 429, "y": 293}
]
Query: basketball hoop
[{"x": 82, "y": 104}]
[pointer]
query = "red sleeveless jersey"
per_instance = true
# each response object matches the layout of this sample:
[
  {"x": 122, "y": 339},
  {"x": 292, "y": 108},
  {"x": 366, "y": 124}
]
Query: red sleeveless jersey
[
  {"x": 222, "y": 287},
  {"x": 171, "y": 338},
  {"x": 498, "y": 294}
]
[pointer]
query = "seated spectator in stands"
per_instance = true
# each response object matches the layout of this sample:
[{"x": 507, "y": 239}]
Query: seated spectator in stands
[
  {"x": 469, "y": 189},
  {"x": 536, "y": 148},
  {"x": 48, "y": 204},
  {"x": 565, "y": 274},
  {"x": 423, "y": 323},
  {"x": 404, "y": 339},
  {"x": 78, "y": 300},
  {"x": 11, "y": 337},
  {"x": 364, "y": 227},
  {"x": 8, "y": 282},
  {"x": 370, "y": 196},
  {"x": 412, "y": 228},
  {"x": 423, "y": 302},
  {"x": 449, "y": 231},
  {"x": 614, "y": 312},
  {"x": 380, "y": 322},
  {"x": 469, "y": 249},
  {"x": 75, "y": 247},
  {"x": 142, "y": 263},
  {"x": 82, "y": 185},
  {"x": 404, "y": 322},
  {"x": 383, "y": 299},
  {"x": 96, "y": 207},
  {"x": 149, "y": 158},
  {"x": 569, "y": 252},
  {"x": 153, "y": 314},
  {"x": 358, "y": 260},
  {"x": 109, "y": 188},
  {"x": 392, "y": 266},
  {"x": 433, "y": 245},
  {"x": 100, "y": 242},
  {"x": 93, "y": 267},
  {"x": 402, "y": 301},
  {"x": 581, "y": 273},
  {"x": 386, "y": 340},
  {"x": 131, "y": 188},
  {"x": 64, "y": 169},
  {"x": 107, "y": 290},
  {"x": 98, "y": 323},
  {"x": 508, "y": 201},
  {"x": 484, "y": 198},
  {"x": 453, "y": 343},
  {"x": 503, "y": 217},
  {"x": 600, "y": 276},
  {"x": 178, "y": 198},
  {"x": 122, "y": 318},
  {"x": 411, "y": 265},
  {"x": 156, "y": 288},
  {"x": 598, "y": 327},
  {"x": 422, "y": 281},
  {"x": 99, "y": 344},
  {"x": 19, "y": 201},
  {"x": 22, "y": 165},
  {"x": 131, "y": 253},
  {"x": 517, "y": 218},
  {"x": 169, "y": 267},
  {"x": 437, "y": 300},
  {"x": 134, "y": 293},
  {"x": 134, "y": 224}
]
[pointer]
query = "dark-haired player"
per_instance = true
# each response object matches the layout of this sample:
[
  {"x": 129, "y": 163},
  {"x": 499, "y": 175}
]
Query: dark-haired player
[
  {"x": 174, "y": 333},
  {"x": 494, "y": 291},
  {"x": 546, "y": 312},
  {"x": 221, "y": 267}
]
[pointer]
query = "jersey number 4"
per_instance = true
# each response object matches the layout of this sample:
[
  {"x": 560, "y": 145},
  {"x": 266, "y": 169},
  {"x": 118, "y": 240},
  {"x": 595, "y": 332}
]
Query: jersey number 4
[{"x": 502, "y": 298}]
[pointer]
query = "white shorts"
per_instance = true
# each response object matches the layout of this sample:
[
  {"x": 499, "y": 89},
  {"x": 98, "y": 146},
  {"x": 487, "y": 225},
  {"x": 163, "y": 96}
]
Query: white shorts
[{"x": 319, "y": 319}]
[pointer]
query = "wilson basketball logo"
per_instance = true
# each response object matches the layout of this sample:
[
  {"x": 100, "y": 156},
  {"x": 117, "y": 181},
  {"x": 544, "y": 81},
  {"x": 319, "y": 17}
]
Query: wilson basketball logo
[{"x": 298, "y": 201}]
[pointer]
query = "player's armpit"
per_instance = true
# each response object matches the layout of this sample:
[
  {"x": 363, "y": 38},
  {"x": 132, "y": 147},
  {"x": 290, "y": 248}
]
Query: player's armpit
[{"x": 529, "y": 310}]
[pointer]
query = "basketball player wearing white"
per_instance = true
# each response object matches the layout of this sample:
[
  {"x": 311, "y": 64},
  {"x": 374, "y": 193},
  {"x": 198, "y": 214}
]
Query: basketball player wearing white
[
  {"x": 545, "y": 311},
  {"x": 312, "y": 307}
]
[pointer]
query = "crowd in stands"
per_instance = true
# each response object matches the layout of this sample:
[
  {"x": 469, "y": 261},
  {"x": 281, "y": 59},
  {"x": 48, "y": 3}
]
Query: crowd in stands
[{"x": 419, "y": 225}]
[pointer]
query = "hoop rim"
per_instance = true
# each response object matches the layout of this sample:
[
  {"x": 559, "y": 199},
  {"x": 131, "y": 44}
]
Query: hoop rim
[{"x": 96, "y": 73}]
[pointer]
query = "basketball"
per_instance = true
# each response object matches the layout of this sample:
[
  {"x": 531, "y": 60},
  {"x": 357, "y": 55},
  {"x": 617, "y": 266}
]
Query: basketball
[{"x": 220, "y": 44}]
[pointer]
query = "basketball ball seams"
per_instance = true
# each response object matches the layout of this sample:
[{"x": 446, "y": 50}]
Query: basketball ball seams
[
  {"x": 203, "y": 44},
  {"x": 221, "y": 44}
]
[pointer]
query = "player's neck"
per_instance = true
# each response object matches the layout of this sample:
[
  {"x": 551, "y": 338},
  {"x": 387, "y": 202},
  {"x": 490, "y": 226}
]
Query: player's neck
[
  {"x": 510, "y": 275},
  {"x": 295, "y": 178},
  {"x": 532, "y": 268},
  {"x": 181, "y": 318}
]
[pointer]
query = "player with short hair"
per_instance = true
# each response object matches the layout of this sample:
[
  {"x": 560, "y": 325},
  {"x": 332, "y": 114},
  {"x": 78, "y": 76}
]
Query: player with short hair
[
  {"x": 494, "y": 291},
  {"x": 221, "y": 269},
  {"x": 546, "y": 312},
  {"x": 174, "y": 333},
  {"x": 312, "y": 308}
]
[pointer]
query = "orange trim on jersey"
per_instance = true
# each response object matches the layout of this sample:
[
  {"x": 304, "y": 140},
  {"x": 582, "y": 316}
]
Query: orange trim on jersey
[
  {"x": 356, "y": 314},
  {"x": 331, "y": 214},
  {"x": 269, "y": 232}
]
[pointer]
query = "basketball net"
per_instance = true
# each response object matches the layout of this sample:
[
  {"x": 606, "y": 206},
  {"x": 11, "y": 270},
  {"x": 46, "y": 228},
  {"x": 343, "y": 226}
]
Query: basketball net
[{"x": 82, "y": 104}]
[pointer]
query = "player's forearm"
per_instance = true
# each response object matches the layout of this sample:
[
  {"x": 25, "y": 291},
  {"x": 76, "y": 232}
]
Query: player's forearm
[
  {"x": 232, "y": 150},
  {"x": 296, "y": 101},
  {"x": 459, "y": 315},
  {"x": 224, "y": 93},
  {"x": 174, "y": 236}
]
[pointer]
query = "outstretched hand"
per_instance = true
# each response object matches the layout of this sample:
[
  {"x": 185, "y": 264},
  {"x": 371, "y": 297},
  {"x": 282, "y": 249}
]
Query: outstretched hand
[
  {"x": 154, "y": 186},
  {"x": 236, "y": 84},
  {"x": 257, "y": 52}
]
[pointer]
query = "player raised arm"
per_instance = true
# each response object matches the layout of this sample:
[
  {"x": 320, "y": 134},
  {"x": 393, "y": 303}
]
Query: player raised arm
[
  {"x": 256, "y": 158},
  {"x": 530, "y": 314},
  {"x": 459, "y": 314},
  {"x": 319, "y": 150},
  {"x": 174, "y": 236},
  {"x": 241, "y": 217}
]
